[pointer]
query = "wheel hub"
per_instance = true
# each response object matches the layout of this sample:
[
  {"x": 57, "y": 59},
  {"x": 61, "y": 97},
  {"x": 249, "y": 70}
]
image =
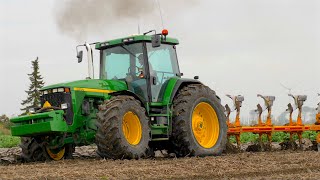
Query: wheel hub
[
  {"x": 56, "y": 154},
  {"x": 131, "y": 128},
  {"x": 205, "y": 125}
]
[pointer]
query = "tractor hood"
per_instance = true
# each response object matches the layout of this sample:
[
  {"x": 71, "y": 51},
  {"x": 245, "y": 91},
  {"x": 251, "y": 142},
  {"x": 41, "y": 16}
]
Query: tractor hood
[{"x": 114, "y": 85}]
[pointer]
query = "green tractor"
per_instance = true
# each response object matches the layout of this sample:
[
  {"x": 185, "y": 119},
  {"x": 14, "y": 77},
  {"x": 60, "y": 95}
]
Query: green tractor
[{"x": 139, "y": 104}]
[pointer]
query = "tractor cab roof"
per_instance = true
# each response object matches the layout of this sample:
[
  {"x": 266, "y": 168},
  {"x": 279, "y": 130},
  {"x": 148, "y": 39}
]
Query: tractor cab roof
[{"x": 133, "y": 39}]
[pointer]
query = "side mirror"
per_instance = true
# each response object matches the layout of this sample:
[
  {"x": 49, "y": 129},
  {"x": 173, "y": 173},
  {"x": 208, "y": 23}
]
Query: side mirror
[
  {"x": 156, "y": 40},
  {"x": 79, "y": 56}
]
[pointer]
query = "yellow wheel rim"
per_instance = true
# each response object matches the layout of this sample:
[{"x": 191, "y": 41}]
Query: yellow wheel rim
[
  {"x": 131, "y": 128},
  {"x": 56, "y": 154},
  {"x": 205, "y": 125}
]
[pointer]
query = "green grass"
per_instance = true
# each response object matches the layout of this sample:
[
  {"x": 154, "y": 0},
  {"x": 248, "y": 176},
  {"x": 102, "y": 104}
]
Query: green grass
[
  {"x": 276, "y": 137},
  {"x": 6, "y": 140}
]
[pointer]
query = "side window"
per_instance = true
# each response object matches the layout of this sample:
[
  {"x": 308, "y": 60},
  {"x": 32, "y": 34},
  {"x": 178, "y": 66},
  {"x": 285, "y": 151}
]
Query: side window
[
  {"x": 160, "y": 60},
  {"x": 163, "y": 63}
]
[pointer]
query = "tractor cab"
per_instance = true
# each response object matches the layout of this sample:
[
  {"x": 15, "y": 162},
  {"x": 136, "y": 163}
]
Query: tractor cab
[{"x": 144, "y": 62}]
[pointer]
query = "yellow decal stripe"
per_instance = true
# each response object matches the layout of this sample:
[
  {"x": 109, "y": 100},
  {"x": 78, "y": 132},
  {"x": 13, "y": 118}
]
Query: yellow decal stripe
[{"x": 93, "y": 90}]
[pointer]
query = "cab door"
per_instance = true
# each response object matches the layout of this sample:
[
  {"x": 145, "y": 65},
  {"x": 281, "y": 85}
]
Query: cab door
[{"x": 162, "y": 66}]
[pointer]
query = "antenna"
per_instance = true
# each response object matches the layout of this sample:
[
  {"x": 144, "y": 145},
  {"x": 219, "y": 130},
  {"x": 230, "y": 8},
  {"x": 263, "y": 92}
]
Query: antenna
[
  {"x": 287, "y": 88},
  {"x": 139, "y": 21},
  {"x": 160, "y": 12}
]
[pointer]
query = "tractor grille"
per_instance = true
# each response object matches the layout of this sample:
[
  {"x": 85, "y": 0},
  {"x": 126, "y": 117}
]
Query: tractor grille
[{"x": 56, "y": 99}]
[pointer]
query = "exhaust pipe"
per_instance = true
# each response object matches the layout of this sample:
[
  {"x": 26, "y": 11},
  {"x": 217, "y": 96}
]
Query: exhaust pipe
[{"x": 90, "y": 61}]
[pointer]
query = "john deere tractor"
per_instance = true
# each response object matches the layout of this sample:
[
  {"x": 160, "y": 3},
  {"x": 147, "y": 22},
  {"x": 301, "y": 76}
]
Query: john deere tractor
[{"x": 139, "y": 103}]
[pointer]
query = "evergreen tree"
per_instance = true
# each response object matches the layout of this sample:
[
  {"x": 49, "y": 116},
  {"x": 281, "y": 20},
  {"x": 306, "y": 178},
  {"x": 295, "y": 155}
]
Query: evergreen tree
[{"x": 33, "y": 99}]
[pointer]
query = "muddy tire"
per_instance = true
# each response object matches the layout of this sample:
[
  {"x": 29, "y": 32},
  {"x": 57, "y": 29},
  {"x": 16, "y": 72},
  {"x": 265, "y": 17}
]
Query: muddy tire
[
  {"x": 123, "y": 129},
  {"x": 199, "y": 123},
  {"x": 31, "y": 150},
  {"x": 70, "y": 149}
]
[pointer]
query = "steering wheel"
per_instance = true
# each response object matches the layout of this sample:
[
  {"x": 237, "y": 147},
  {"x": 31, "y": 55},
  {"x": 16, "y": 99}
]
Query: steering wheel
[{"x": 139, "y": 70}]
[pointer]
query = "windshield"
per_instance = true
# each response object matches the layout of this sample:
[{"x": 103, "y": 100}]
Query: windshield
[{"x": 120, "y": 61}]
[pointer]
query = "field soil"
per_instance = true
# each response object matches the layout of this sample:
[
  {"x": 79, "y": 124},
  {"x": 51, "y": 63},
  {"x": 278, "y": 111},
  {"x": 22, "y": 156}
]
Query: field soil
[{"x": 285, "y": 164}]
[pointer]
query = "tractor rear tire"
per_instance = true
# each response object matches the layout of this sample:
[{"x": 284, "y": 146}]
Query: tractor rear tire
[
  {"x": 199, "y": 123},
  {"x": 31, "y": 150},
  {"x": 123, "y": 129}
]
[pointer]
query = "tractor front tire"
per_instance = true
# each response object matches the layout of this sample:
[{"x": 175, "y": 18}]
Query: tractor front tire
[
  {"x": 123, "y": 129},
  {"x": 31, "y": 150},
  {"x": 199, "y": 123}
]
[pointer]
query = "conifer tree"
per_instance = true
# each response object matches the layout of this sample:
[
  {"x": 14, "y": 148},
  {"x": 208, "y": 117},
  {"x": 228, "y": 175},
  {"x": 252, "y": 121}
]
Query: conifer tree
[{"x": 33, "y": 98}]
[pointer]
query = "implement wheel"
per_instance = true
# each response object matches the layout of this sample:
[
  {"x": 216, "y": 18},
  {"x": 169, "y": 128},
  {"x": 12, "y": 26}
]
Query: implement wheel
[
  {"x": 123, "y": 129},
  {"x": 199, "y": 123}
]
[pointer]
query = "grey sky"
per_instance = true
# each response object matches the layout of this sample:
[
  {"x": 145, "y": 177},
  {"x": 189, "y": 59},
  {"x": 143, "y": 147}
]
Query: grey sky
[{"x": 236, "y": 47}]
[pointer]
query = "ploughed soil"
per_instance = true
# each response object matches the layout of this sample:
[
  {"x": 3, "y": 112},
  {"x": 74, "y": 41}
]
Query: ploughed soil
[{"x": 283, "y": 164}]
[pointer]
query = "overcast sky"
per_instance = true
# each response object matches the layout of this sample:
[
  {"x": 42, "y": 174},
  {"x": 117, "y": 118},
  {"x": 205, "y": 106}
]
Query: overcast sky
[{"x": 236, "y": 47}]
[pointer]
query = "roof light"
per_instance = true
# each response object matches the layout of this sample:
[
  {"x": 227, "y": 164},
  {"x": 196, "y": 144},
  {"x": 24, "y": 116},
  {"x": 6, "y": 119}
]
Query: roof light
[
  {"x": 127, "y": 39},
  {"x": 54, "y": 90},
  {"x": 165, "y": 32},
  {"x": 104, "y": 44}
]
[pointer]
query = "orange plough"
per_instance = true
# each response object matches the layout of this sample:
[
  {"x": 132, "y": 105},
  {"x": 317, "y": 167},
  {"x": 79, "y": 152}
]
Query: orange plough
[{"x": 268, "y": 128}]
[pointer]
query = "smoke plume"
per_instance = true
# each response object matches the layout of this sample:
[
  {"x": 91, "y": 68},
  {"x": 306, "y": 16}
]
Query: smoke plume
[{"x": 79, "y": 18}]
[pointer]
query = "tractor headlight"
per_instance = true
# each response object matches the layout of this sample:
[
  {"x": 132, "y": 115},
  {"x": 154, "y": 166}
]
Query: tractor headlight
[
  {"x": 64, "y": 106},
  {"x": 32, "y": 110},
  {"x": 60, "y": 89},
  {"x": 55, "y": 90}
]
